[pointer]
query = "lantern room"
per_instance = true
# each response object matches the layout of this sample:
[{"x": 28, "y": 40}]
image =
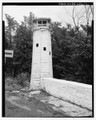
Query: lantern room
[{"x": 41, "y": 23}]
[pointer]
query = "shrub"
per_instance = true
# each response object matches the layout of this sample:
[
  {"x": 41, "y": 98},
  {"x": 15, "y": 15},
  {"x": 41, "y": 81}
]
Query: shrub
[{"x": 23, "y": 79}]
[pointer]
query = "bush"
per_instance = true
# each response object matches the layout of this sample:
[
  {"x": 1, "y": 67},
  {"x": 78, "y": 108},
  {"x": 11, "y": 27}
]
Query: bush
[
  {"x": 11, "y": 84},
  {"x": 23, "y": 79}
]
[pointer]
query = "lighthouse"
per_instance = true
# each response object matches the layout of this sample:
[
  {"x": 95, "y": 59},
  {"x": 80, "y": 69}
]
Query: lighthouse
[{"x": 42, "y": 53}]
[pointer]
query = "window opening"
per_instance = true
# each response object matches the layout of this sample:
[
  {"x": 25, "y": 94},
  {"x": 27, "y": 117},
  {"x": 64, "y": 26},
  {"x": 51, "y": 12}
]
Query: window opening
[
  {"x": 44, "y": 23},
  {"x": 49, "y": 53},
  {"x": 37, "y": 45},
  {"x": 39, "y": 22},
  {"x": 44, "y": 48}
]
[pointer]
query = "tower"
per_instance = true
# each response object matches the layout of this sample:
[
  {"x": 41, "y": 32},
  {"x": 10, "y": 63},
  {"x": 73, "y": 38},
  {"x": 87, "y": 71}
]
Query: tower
[{"x": 42, "y": 53}]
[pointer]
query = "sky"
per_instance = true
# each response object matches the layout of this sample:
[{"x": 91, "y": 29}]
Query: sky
[{"x": 56, "y": 13}]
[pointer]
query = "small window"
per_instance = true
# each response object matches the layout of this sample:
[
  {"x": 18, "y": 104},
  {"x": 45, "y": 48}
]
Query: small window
[
  {"x": 39, "y": 22},
  {"x": 44, "y": 22},
  {"x": 49, "y": 53},
  {"x": 37, "y": 45},
  {"x": 44, "y": 48}
]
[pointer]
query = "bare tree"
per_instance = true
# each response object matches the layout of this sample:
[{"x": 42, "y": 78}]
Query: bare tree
[{"x": 84, "y": 15}]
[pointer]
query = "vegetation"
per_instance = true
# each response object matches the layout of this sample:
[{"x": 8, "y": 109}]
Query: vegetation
[{"x": 71, "y": 49}]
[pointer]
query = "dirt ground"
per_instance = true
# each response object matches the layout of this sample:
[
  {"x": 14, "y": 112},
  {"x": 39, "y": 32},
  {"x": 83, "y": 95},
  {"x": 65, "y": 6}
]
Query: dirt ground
[
  {"x": 20, "y": 103},
  {"x": 18, "y": 106}
]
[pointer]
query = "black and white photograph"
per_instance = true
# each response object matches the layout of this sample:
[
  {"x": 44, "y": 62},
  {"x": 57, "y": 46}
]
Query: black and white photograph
[{"x": 47, "y": 60}]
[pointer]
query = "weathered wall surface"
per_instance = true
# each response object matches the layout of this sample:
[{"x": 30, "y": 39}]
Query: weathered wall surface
[
  {"x": 76, "y": 93},
  {"x": 42, "y": 57}
]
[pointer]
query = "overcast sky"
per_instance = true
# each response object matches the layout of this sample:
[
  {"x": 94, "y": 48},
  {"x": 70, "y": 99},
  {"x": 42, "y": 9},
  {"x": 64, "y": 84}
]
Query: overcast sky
[{"x": 56, "y": 13}]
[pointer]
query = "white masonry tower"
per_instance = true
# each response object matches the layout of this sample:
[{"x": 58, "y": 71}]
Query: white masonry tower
[{"x": 42, "y": 53}]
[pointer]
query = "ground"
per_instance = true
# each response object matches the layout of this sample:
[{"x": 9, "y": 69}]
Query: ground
[
  {"x": 19, "y": 106},
  {"x": 19, "y": 103},
  {"x": 24, "y": 103}
]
